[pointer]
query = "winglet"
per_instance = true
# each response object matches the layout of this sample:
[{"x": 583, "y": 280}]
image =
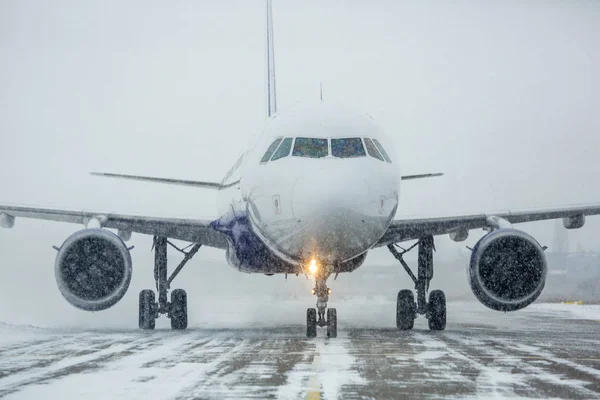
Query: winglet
[
  {"x": 409, "y": 177},
  {"x": 271, "y": 90}
]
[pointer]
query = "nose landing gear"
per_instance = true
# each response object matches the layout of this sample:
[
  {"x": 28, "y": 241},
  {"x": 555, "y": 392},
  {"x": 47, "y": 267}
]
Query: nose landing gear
[
  {"x": 322, "y": 292},
  {"x": 406, "y": 308}
]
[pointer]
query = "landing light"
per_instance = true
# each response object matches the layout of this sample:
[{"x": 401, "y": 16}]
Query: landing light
[
  {"x": 328, "y": 291},
  {"x": 312, "y": 267},
  {"x": 313, "y": 291}
]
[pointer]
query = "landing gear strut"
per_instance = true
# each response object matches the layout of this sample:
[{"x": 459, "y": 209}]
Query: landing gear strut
[
  {"x": 176, "y": 309},
  {"x": 406, "y": 308},
  {"x": 316, "y": 317}
]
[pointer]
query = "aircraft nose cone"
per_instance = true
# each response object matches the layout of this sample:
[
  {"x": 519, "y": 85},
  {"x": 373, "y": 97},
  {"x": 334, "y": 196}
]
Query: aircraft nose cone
[
  {"x": 336, "y": 218},
  {"x": 318, "y": 196}
]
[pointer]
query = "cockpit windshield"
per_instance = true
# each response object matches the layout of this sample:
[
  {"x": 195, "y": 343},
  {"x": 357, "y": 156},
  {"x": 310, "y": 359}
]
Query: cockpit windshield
[
  {"x": 270, "y": 150},
  {"x": 319, "y": 148},
  {"x": 310, "y": 147},
  {"x": 283, "y": 150},
  {"x": 372, "y": 150},
  {"x": 346, "y": 148},
  {"x": 382, "y": 150}
]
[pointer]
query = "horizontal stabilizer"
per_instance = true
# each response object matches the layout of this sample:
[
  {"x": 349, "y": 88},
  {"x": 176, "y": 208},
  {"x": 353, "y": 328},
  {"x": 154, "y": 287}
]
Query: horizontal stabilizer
[
  {"x": 181, "y": 182},
  {"x": 409, "y": 177}
]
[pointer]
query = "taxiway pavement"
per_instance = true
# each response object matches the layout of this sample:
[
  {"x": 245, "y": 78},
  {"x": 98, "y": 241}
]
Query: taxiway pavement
[{"x": 547, "y": 350}]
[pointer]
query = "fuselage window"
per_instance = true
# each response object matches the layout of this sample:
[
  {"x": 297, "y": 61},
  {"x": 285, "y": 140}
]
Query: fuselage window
[
  {"x": 372, "y": 150},
  {"x": 270, "y": 150},
  {"x": 283, "y": 150},
  {"x": 382, "y": 150},
  {"x": 346, "y": 148},
  {"x": 310, "y": 147}
]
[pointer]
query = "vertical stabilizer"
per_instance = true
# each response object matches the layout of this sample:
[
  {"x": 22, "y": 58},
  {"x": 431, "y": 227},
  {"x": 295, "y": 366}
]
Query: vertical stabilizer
[{"x": 271, "y": 91}]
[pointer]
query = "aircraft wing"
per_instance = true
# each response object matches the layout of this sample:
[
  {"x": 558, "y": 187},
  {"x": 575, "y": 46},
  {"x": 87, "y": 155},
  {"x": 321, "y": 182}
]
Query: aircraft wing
[
  {"x": 408, "y": 229},
  {"x": 181, "y": 182},
  {"x": 190, "y": 230}
]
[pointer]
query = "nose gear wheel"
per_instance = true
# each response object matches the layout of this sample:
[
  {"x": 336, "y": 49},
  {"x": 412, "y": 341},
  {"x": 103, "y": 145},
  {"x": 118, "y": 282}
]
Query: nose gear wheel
[{"x": 321, "y": 316}]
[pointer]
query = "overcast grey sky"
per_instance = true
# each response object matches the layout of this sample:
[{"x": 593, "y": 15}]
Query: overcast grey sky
[{"x": 502, "y": 96}]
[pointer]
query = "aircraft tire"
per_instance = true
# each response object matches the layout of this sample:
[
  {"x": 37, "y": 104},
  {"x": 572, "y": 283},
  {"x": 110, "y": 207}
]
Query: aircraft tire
[
  {"x": 311, "y": 323},
  {"x": 147, "y": 317},
  {"x": 405, "y": 310},
  {"x": 331, "y": 323},
  {"x": 178, "y": 312},
  {"x": 437, "y": 310}
]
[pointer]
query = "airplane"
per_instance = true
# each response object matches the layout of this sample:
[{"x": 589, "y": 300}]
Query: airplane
[{"x": 315, "y": 192}]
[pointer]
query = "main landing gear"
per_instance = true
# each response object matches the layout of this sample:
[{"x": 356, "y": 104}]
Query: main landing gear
[
  {"x": 322, "y": 292},
  {"x": 406, "y": 308},
  {"x": 176, "y": 310}
]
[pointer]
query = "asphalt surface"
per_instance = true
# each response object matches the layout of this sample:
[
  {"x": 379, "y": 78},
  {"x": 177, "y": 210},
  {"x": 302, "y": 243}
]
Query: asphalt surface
[{"x": 547, "y": 351}]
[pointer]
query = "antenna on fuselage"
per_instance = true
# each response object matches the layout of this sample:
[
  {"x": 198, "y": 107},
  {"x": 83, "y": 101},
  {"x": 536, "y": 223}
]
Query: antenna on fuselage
[
  {"x": 321, "y": 84},
  {"x": 271, "y": 90}
]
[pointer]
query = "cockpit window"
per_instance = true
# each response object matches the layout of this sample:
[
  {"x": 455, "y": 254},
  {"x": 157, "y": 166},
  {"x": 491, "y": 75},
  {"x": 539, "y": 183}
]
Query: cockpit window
[
  {"x": 382, "y": 150},
  {"x": 283, "y": 150},
  {"x": 346, "y": 148},
  {"x": 372, "y": 150},
  {"x": 270, "y": 150},
  {"x": 310, "y": 147}
]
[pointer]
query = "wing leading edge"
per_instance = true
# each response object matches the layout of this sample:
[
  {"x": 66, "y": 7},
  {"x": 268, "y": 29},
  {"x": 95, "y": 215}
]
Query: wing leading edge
[
  {"x": 408, "y": 229},
  {"x": 421, "y": 176},
  {"x": 190, "y": 230}
]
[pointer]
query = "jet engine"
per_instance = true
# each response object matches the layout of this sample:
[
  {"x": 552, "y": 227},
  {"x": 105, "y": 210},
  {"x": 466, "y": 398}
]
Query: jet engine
[
  {"x": 508, "y": 270},
  {"x": 93, "y": 269}
]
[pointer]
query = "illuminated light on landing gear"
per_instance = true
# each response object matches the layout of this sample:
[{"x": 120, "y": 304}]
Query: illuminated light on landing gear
[
  {"x": 313, "y": 291},
  {"x": 329, "y": 291},
  {"x": 312, "y": 267}
]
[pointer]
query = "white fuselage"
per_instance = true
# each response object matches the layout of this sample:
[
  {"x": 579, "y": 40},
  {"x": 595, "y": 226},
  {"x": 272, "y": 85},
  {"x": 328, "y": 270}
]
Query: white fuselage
[{"x": 329, "y": 208}]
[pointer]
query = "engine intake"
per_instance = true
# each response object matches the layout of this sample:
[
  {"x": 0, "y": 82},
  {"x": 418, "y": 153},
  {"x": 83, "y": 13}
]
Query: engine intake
[
  {"x": 93, "y": 269},
  {"x": 508, "y": 270}
]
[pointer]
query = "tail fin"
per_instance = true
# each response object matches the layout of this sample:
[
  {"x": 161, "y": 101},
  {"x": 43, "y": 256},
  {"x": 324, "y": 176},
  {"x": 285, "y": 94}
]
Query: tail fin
[{"x": 271, "y": 90}]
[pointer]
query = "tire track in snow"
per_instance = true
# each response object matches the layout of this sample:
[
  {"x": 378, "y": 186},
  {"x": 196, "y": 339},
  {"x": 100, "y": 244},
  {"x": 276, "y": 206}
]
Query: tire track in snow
[
  {"x": 254, "y": 369},
  {"x": 532, "y": 374},
  {"x": 491, "y": 381},
  {"x": 70, "y": 357},
  {"x": 570, "y": 367},
  {"x": 329, "y": 372},
  {"x": 407, "y": 364},
  {"x": 168, "y": 370}
]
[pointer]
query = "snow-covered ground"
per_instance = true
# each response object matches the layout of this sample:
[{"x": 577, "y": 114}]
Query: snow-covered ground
[
  {"x": 580, "y": 311},
  {"x": 255, "y": 348}
]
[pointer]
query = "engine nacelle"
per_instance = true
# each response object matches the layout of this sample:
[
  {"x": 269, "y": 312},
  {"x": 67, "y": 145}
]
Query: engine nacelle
[
  {"x": 93, "y": 269},
  {"x": 574, "y": 222},
  {"x": 459, "y": 235},
  {"x": 508, "y": 270}
]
